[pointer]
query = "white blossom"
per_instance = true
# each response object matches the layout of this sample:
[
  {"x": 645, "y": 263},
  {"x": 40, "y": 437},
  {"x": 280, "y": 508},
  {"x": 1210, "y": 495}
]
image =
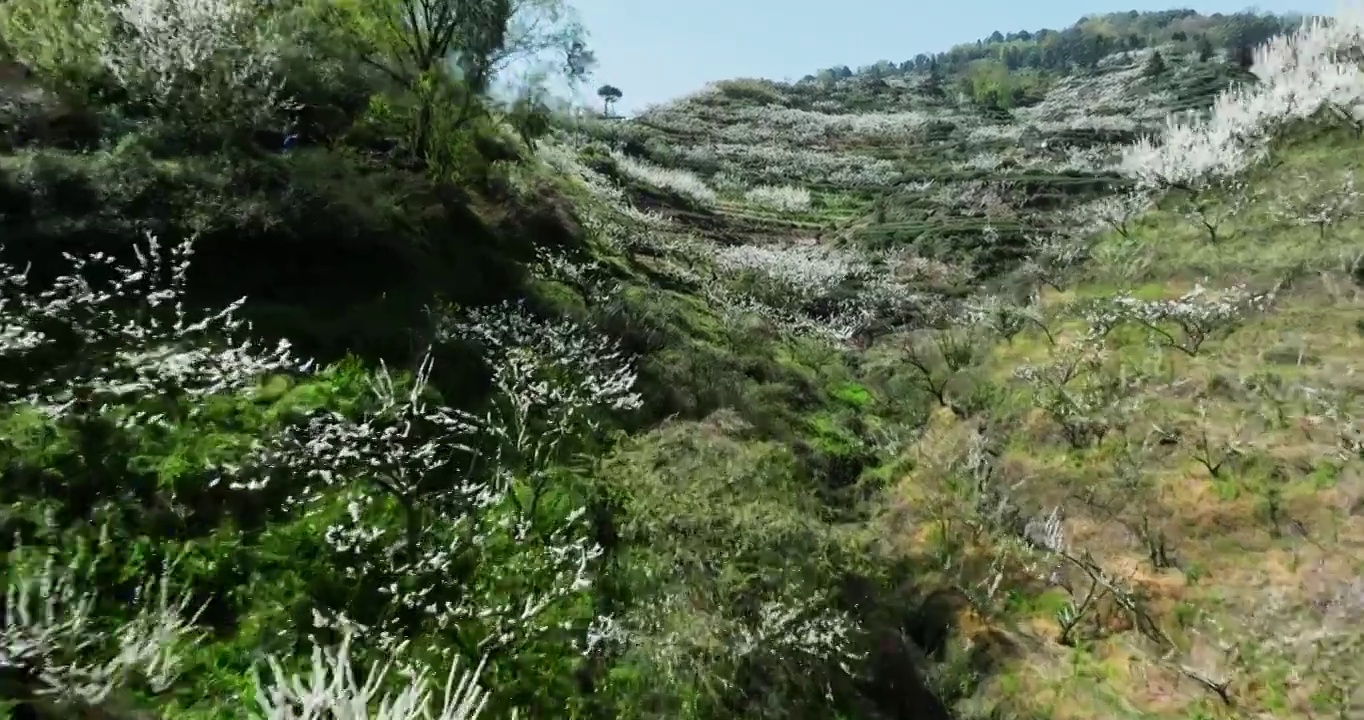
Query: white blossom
[
  {"x": 1299, "y": 74},
  {"x": 137, "y": 337},
  {"x": 683, "y": 183},
  {"x": 774, "y": 164},
  {"x": 467, "y": 485},
  {"x": 1187, "y": 322},
  {"x": 815, "y": 288},
  {"x": 199, "y": 61},
  {"x": 1320, "y": 203},
  {"x": 782, "y": 198},
  {"x": 49, "y": 633},
  {"x": 1116, "y": 211},
  {"x": 331, "y": 691},
  {"x": 788, "y": 629},
  {"x": 1082, "y": 396}
]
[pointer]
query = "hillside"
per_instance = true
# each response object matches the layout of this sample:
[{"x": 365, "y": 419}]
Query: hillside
[
  {"x": 925, "y": 159},
  {"x": 880, "y": 395},
  {"x": 1138, "y": 473}
]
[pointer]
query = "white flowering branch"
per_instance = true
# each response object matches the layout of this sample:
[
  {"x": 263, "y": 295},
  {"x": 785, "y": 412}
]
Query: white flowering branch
[
  {"x": 816, "y": 289},
  {"x": 129, "y": 336},
  {"x": 1188, "y": 322},
  {"x": 1299, "y": 74},
  {"x": 49, "y": 632},
  {"x": 1053, "y": 256},
  {"x": 332, "y": 691},
  {"x": 1007, "y": 319},
  {"x": 557, "y": 370},
  {"x": 791, "y": 631},
  {"x": 1320, "y": 204},
  {"x": 781, "y": 198},
  {"x": 200, "y": 62},
  {"x": 1079, "y": 392},
  {"x": 470, "y": 488},
  {"x": 399, "y": 444},
  {"x": 1116, "y": 211},
  {"x": 424, "y": 458}
]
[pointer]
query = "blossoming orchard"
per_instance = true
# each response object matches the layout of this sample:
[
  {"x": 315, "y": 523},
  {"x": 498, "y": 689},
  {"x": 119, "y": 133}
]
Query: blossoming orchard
[{"x": 736, "y": 393}]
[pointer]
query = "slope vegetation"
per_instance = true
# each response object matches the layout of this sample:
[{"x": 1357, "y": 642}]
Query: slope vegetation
[
  {"x": 478, "y": 417},
  {"x": 920, "y": 161},
  {"x": 1137, "y": 486},
  {"x": 854, "y": 399},
  {"x": 1196, "y": 471}
]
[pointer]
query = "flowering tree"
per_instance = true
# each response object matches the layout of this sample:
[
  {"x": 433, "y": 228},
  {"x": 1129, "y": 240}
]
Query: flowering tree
[
  {"x": 782, "y": 198},
  {"x": 1322, "y": 205},
  {"x": 117, "y": 341},
  {"x": 447, "y": 524},
  {"x": 1299, "y": 74},
  {"x": 733, "y": 591},
  {"x": 1079, "y": 391},
  {"x": 684, "y": 183},
  {"x": 816, "y": 289},
  {"x": 1054, "y": 255},
  {"x": 1116, "y": 211},
  {"x": 1007, "y": 319},
  {"x": 49, "y": 633},
  {"x": 1187, "y": 322},
  {"x": 199, "y": 65},
  {"x": 1136, "y": 500},
  {"x": 126, "y": 338},
  {"x": 555, "y": 382},
  {"x": 331, "y": 691},
  {"x": 478, "y": 495}
]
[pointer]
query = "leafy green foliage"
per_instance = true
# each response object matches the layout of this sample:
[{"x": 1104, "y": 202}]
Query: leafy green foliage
[
  {"x": 725, "y": 521},
  {"x": 992, "y": 85}
]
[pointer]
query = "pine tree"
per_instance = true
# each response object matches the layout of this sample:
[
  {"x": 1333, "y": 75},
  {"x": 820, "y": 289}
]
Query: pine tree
[{"x": 1155, "y": 65}]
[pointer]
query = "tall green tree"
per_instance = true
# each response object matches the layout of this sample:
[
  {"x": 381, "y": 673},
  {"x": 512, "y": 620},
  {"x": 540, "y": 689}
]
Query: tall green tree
[
  {"x": 1155, "y": 65},
  {"x": 609, "y": 94},
  {"x": 443, "y": 55},
  {"x": 428, "y": 49},
  {"x": 1205, "y": 49}
]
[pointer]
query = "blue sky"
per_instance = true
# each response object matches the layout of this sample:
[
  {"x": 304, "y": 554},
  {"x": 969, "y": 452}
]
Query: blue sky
[{"x": 655, "y": 50}]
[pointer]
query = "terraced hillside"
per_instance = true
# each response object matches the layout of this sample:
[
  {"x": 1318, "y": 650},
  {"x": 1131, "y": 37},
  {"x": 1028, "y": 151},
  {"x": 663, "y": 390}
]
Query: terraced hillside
[
  {"x": 1138, "y": 486},
  {"x": 910, "y": 161},
  {"x": 1198, "y": 469}
]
